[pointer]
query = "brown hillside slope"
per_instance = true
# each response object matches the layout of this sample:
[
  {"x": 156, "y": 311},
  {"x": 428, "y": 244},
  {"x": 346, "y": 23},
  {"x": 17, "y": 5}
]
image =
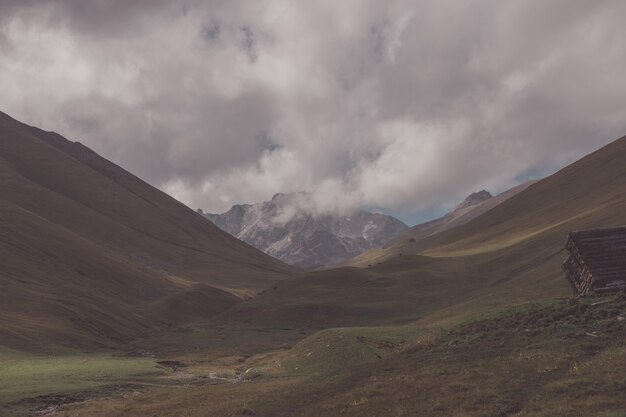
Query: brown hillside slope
[
  {"x": 518, "y": 245},
  {"x": 457, "y": 217},
  {"x": 86, "y": 246},
  {"x": 399, "y": 291},
  {"x": 509, "y": 254}
]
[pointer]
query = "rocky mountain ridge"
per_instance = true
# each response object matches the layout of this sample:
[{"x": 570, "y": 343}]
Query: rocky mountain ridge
[{"x": 288, "y": 228}]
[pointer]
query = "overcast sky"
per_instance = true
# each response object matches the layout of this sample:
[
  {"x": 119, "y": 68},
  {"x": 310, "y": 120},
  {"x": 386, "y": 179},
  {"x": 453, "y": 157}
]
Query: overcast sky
[{"x": 404, "y": 106}]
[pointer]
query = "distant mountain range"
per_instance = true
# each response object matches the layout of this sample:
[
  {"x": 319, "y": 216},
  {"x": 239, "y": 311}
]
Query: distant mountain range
[{"x": 287, "y": 230}]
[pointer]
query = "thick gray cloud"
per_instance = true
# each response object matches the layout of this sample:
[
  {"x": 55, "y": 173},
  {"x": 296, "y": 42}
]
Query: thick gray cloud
[{"x": 401, "y": 105}]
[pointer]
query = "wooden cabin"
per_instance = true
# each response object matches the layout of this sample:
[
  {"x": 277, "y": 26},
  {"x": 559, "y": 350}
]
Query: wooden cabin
[{"x": 596, "y": 260}]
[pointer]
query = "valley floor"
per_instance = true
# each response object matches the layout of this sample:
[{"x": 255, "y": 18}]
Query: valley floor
[{"x": 554, "y": 358}]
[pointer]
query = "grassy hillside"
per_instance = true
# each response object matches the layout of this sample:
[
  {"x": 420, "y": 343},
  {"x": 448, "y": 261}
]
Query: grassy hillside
[
  {"x": 455, "y": 218},
  {"x": 511, "y": 254},
  {"x": 549, "y": 359},
  {"x": 88, "y": 249},
  {"x": 587, "y": 193},
  {"x": 399, "y": 291},
  {"x": 555, "y": 358}
]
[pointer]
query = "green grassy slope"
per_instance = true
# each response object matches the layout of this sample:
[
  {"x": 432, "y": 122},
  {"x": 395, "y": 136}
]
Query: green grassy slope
[
  {"x": 549, "y": 359},
  {"x": 556, "y": 359},
  {"x": 28, "y": 376}
]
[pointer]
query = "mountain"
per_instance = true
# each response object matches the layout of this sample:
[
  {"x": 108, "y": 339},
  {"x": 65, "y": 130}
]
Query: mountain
[
  {"x": 473, "y": 206},
  {"x": 90, "y": 253},
  {"x": 286, "y": 229},
  {"x": 510, "y": 254},
  {"x": 461, "y": 345},
  {"x": 474, "y": 199}
]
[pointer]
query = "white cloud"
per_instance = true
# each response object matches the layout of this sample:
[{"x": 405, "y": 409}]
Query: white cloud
[{"x": 398, "y": 105}]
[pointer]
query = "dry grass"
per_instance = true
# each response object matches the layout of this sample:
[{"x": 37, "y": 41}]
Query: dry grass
[{"x": 533, "y": 360}]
